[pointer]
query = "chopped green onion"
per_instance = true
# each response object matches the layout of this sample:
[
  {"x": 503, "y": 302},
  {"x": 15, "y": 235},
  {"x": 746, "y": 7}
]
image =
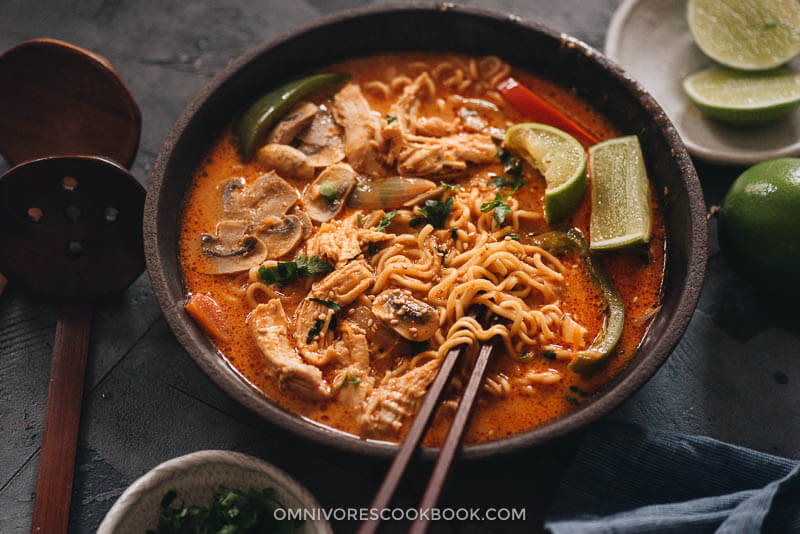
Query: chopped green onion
[
  {"x": 348, "y": 379},
  {"x": 328, "y": 190}
]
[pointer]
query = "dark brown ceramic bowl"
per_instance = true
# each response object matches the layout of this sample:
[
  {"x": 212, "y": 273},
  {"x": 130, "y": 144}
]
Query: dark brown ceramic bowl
[{"x": 447, "y": 28}]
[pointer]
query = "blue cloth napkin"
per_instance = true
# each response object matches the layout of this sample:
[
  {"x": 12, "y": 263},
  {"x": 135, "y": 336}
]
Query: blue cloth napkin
[{"x": 626, "y": 479}]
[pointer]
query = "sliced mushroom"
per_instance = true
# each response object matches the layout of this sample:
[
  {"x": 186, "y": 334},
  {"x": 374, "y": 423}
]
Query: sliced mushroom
[
  {"x": 388, "y": 193},
  {"x": 286, "y": 161},
  {"x": 379, "y": 335},
  {"x": 408, "y": 316},
  {"x": 294, "y": 121},
  {"x": 325, "y": 197},
  {"x": 232, "y": 249},
  {"x": 232, "y": 187},
  {"x": 305, "y": 221},
  {"x": 268, "y": 196},
  {"x": 280, "y": 235},
  {"x": 322, "y": 141}
]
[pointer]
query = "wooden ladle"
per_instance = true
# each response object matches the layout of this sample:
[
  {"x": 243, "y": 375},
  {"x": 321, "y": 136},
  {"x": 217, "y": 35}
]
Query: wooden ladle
[
  {"x": 71, "y": 228},
  {"x": 57, "y": 98}
]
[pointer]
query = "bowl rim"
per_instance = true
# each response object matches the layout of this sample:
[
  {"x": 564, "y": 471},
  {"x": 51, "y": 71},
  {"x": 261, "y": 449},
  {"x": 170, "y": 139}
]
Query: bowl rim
[{"x": 232, "y": 382}]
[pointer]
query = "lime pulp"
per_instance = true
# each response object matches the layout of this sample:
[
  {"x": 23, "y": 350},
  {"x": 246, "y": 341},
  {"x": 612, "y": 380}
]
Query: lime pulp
[
  {"x": 620, "y": 194},
  {"x": 559, "y": 157}
]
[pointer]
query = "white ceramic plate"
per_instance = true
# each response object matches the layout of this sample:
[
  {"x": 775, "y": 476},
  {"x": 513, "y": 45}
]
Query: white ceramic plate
[
  {"x": 196, "y": 477},
  {"x": 651, "y": 40}
]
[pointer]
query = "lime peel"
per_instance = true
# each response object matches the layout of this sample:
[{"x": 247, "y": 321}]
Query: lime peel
[
  {"x": 621, "y": 212},
  {"x": 744, "y": 97}
]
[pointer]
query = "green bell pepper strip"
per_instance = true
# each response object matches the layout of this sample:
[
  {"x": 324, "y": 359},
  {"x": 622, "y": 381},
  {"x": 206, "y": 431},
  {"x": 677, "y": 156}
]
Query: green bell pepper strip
[
  {"x": 589, "y": 360},
  {"x": 252, "y": 127}
]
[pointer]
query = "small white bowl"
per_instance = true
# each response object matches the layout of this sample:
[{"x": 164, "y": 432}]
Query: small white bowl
[{"x": 196, "y": 477}]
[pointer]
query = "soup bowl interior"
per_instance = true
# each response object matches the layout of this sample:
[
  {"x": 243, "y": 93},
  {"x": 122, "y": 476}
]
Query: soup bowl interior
[{"x": 564, "y": 60}]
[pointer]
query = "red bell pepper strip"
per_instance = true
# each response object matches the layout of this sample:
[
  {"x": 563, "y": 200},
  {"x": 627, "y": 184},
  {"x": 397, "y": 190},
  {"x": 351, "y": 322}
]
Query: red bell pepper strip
[
  {"x": 538, "y": 110},
  {"x": 207, "y": 313}
]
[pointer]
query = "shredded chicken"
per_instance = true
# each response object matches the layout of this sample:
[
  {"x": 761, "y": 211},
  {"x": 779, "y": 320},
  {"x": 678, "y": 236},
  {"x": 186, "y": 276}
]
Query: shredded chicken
[
  {"x": 396, "y": 398},
  {"x": 361, "y": 127},
  {"x": 416, "y": 153},
  {"x": 341, "y": 287},
  {"x": 354, "y": 376},
  {"x": 270, "y": 329},
  {"x": 434, "y": 126},
  {"x": 341, "y": 242}
]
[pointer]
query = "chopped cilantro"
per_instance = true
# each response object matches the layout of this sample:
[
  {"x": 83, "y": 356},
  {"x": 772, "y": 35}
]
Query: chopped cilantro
[
  {"x": 549, "y": 354},
  {"x": 328, "y": 190},
  {"x": 386, "y": 221},
  {"x": 434, "y": 212},
  {"x": 360, "y": 220},
  {"x": 313, "y": 265},
  {"x": 499, "y": 206},
  {"x": 314, "y": 330},
  {"x": 441, "y": 251},
  {"x": 449, "y": 187},
  {"x": 579, "y": 391},
  {"x": 513, "y": 235},
  {"x": 512, "y": 165},
  {"x": 348, "y": 379},
  {"x": 327, "y": 303},
  {"x": 286, "y": 272},
  {"x": 390, "y": 119},
  {"x": 515, "y": 183},
  {"x": 526, "y": 356},
  {"x": 454, "y": 233},
  {"x": 372, "y": 249}
]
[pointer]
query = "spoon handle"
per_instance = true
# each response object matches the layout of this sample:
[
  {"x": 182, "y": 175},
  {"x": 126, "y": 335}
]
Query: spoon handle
[{"x": 62, "y": 419}]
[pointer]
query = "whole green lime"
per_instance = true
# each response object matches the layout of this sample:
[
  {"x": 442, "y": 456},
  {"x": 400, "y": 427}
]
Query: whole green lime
[{"x": 759, "y": 225}]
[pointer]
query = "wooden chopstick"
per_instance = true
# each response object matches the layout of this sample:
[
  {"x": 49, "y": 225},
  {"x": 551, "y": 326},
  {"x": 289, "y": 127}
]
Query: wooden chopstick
[
  {"x": 451, "y": 446},
  {"x": 455, "y": 436},
  {"x": 412, "y": 440}
]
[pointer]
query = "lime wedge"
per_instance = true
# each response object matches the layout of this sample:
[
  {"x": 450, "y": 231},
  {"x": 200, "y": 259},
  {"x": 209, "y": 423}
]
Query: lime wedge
[
  {"x": 620, "y": 194},
  {"x": 746, "y": 34},
  {"x": 744, "y": 97},
  {"x": 559, "y": 157}
]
